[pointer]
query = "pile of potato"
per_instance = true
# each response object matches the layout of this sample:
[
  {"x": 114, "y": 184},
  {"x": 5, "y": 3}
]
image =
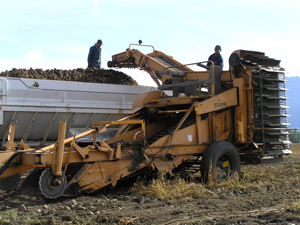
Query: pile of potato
[{"x": 91, "y": 75}]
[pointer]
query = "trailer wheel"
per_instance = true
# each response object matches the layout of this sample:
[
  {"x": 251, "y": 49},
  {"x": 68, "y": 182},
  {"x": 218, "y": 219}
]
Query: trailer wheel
[
  {"x": 51, "y": 186},
  {"x": 220, "y": 160}
]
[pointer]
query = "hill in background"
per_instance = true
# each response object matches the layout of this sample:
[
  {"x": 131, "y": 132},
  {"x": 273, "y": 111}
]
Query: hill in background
[{"x": 293, "y": 94}]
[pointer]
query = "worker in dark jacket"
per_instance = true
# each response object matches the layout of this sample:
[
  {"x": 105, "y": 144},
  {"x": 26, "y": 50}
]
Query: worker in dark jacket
[
  {"x": 94, "y": 58},
  {"x": 216, "y": 57}
]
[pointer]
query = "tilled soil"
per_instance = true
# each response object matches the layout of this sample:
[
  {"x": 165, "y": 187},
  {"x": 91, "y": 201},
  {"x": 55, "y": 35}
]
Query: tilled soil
[
  {"x": 272, "y": 197},
  {"x": 91, "y": 75}
]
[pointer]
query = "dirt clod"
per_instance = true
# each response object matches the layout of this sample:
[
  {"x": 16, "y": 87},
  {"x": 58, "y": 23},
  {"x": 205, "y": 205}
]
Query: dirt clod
[{"x": 22, "y": 207}]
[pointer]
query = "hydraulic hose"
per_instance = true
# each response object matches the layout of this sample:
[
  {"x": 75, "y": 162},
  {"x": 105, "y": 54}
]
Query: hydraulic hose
[{"x": 6, "y": 165}]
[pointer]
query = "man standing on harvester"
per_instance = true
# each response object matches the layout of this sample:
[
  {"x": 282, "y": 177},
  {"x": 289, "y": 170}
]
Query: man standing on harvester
[
  {"x": 216, "y": 57},
  {"x": 94, "y": 57}
]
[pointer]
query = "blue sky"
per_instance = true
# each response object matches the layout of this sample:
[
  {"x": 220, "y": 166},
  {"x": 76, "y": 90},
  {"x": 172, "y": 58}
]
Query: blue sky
[{"x": 58, "y": 34}]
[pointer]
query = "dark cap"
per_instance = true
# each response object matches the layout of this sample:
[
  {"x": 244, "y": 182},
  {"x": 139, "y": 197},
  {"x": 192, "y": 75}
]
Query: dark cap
[
  {"x": 99, "y": 42},
  {"x": 218, "y": 48}
]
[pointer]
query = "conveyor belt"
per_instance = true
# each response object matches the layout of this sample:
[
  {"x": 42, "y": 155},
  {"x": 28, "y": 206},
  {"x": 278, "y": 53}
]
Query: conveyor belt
[
  {"x": 168, "y": 63},
  {"x": 270, "y": 109}
]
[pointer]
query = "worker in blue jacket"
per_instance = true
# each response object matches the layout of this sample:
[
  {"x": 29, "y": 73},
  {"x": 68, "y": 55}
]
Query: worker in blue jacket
[
  {"x": 216, "y": 57},
  {"x": 94, "y": 57}
]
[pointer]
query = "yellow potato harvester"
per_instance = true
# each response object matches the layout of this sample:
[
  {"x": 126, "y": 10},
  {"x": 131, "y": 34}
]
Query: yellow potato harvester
[{"x": 209, "y": 121}]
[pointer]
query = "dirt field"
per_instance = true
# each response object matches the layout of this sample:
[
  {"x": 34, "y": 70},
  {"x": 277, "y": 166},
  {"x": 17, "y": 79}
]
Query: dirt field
[{"x": 265, "y": 194}]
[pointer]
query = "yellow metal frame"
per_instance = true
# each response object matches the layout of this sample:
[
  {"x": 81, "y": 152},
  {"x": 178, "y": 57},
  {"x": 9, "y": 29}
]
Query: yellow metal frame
[{"x": 223, "y": 116}]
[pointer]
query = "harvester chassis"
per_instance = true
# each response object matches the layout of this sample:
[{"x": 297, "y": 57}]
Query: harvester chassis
[{"x": 214, "y": 120}]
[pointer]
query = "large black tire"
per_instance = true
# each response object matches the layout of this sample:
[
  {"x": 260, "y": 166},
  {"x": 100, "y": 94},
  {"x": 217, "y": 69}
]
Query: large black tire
[{"x": 221, "y": 159}]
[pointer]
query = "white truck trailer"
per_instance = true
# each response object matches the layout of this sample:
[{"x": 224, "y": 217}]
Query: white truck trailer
[{"x": 37, "y": 106}]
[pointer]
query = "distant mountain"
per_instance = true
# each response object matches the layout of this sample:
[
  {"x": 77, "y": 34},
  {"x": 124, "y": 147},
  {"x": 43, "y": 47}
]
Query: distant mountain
[{"x": 294, "y": 101}]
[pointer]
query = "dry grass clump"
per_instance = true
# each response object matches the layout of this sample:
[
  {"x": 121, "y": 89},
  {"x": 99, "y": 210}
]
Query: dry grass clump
[
  {"x": 214, "y": 182},
  {"x": 295, "y": 148},
  {"x": 178, "y": 188},
  {"x": 297, "y": 206},
  {"x": 170, "y": 189},
  {"x": 254, "y": 178},
  {"x": 127, "y": 220}
]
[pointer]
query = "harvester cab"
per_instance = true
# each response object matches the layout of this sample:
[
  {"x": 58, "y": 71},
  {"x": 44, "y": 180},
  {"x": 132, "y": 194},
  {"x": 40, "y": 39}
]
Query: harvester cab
[{"x": 211, "y": 122}]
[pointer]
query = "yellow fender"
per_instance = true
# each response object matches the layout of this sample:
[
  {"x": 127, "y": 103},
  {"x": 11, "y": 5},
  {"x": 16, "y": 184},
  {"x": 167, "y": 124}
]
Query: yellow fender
[{"x": 145, "y": 98}]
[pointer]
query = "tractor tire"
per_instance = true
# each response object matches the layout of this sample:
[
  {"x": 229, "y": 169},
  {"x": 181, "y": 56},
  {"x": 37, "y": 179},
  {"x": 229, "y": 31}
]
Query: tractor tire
[{"x": 220, "y": 160}]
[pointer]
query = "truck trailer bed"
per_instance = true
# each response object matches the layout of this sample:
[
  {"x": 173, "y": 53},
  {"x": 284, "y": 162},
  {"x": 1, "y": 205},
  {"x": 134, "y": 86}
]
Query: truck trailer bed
[{"x": 38, "y": 105}]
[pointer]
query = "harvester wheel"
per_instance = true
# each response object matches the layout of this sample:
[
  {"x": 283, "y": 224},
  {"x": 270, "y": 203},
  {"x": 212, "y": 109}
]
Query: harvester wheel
[
  {"x": 110, "y": 64},
  {"x": 10, "y": 183},
  {"x": 51, "y": 186},
  {"x": 220, "y": 160}
]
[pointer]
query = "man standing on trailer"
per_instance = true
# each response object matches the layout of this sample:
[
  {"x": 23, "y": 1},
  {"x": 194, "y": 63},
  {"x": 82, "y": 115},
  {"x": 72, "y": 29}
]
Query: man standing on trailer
[
  {"x": 216, "y": 57},
  {"x": 94, "y": 57}
]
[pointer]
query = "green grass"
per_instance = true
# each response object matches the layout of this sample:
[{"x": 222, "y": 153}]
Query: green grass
[
  {"x": 79, "y": 220},
  {"x": 13, "y": 217}
]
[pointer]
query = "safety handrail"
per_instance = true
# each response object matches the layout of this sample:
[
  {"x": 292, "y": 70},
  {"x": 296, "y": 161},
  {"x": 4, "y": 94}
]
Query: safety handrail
[{"x": 142, "y": 45}]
